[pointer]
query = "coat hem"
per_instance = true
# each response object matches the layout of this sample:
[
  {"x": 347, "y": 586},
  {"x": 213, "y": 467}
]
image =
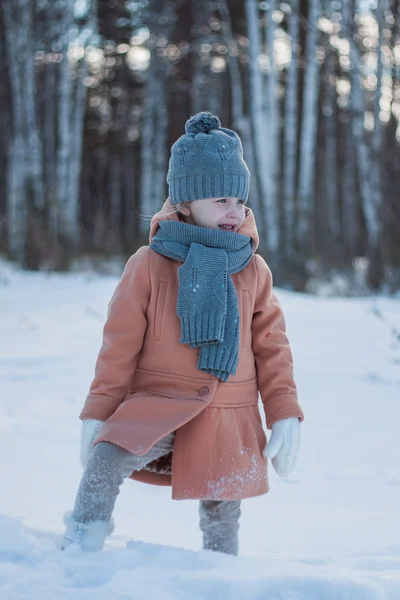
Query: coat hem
[{"x": 177, "y": 496}]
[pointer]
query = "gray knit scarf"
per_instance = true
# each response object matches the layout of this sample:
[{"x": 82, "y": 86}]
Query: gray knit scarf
[{"x": 207, "y": 304}]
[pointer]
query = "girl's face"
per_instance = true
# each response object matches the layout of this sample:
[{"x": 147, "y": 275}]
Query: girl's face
[{"x": 225, "y": 213}]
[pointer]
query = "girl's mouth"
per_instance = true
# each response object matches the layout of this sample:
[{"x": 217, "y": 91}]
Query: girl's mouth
[{"x": 227, "y": 227}]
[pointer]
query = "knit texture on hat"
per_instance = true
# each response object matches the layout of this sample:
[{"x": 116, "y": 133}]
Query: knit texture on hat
[
  {"x": 207, "y": 305},
  {"x": 207, "y": 162}
]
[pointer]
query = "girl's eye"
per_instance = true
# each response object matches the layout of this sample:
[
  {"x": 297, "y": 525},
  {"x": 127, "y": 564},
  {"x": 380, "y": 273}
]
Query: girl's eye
[{"x": 240, "y": 201}]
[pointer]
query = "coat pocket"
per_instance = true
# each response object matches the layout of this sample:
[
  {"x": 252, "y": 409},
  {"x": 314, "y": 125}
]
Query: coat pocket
[
  {"x": 245, "y": 332},
  {"x": 160, "y": 306}
]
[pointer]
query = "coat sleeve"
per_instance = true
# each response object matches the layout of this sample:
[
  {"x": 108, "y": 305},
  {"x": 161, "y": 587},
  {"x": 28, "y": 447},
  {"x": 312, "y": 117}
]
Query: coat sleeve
[
  {"x": 123, "y": 336},
  {"x": 273, "y": 357}
]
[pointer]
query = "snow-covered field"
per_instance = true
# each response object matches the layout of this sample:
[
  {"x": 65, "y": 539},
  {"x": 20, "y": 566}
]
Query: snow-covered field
[{"x": 329, "y": 532}]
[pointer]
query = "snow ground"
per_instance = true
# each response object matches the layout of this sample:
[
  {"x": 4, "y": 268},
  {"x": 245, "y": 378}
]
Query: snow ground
[{"x": 329, "y": 532}]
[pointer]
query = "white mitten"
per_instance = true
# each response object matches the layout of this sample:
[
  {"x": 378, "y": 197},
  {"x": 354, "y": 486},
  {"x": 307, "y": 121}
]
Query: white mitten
[
  {"x": 89, "y": 431},
  {"x": 283, "y": 446}
]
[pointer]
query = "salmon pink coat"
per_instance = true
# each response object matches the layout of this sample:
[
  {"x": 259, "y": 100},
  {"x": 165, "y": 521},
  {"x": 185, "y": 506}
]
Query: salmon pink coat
[{"x": 147, "y": 383}]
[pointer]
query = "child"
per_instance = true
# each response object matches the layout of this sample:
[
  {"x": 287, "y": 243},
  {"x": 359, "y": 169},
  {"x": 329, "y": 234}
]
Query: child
[{"x": 193, "y": 333}]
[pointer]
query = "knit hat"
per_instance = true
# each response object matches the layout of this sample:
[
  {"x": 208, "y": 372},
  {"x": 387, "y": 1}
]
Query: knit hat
[{"x": 207, "y": 162}]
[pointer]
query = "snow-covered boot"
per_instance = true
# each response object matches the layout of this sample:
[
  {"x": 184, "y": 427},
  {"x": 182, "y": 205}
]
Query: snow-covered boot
[{"x": 89, "y": 536}]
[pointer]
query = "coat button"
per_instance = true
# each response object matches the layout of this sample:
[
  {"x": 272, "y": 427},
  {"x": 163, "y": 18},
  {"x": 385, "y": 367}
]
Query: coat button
[{"x": 203, "y": 391}]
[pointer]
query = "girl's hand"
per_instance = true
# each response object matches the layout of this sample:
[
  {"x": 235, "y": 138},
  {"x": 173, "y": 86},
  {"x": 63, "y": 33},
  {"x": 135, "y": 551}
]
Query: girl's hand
[
  {"x": 283, "y": 446},
  {"x": 89, "y": 431}
]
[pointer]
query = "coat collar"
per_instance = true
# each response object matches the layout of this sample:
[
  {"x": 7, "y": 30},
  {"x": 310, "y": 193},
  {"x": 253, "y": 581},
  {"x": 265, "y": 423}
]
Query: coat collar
[{"x": 166, "y": 213}]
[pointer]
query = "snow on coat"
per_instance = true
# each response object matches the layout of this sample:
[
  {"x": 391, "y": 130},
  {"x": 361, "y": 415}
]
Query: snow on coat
[{"x": 147, "y": 383}]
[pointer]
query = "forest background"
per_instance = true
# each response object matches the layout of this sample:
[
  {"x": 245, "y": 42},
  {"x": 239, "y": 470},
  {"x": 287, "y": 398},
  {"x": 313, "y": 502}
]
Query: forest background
[{"x": 93, "y": 93}]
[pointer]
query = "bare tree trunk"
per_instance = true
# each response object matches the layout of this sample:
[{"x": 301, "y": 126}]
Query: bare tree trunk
[
  {"x": 132, "y": 225},
  {"x": 150, "y": 146},
  {"x": 271, "y": 137},
  {"x": 147, "y": 136},
  {"x": 214, "y": 94},
  {"x": 350, "y": 221},
  {"x": 376, "y": 142},
  {"x": 74, "y": 174},
  {"x": 197, "y": 88},
  {"x": 257, "y": 117},
  {"x": 155, "y": 120},
  {"x": 34, "y": 144},
  {"x": 358, "y": 110},
  {"x": 290, "y": 133},
  {"x": 49, "y": 149},
  {"x": 78, "y": 119},
  {"x": 362, "y": 151},
  {"x": 330, "y": 174},
  {"x": 25, "y": 175},
  {"x": 115, "y": 192},
  {"x": 308, "y": 129},
  {"x": 241, "y": 122},
  {"x": 16, "y": 201},
  {"x": 15, "y": 192},
  {"x": 376, "y": 270},
  {"x": 234, "y": 72},
  {"x": 200, "y": 80},
  {"x": 63, "y": 212},
  {"x": 161, "y": 156}
]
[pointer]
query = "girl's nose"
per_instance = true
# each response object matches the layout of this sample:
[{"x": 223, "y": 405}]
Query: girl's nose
[{"x": 232, "y": 210}]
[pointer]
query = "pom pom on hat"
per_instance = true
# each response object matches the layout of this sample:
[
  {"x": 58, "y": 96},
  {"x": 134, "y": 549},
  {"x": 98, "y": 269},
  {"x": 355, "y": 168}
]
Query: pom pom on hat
[{"x": 203, "y": 122}]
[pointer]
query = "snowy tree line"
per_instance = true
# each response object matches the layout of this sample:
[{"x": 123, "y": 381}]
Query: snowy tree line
[{"x": 94, "y": 92}]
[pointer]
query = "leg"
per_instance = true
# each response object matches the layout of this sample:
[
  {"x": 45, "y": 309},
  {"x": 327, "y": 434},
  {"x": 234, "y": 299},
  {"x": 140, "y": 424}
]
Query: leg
[
  {"x": 219, "y": 522},
  {"x": 108, "y": 465}
]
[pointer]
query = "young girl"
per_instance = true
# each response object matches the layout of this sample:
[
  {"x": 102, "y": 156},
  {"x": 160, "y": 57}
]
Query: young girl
[{"x": 194, "y": 332}]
